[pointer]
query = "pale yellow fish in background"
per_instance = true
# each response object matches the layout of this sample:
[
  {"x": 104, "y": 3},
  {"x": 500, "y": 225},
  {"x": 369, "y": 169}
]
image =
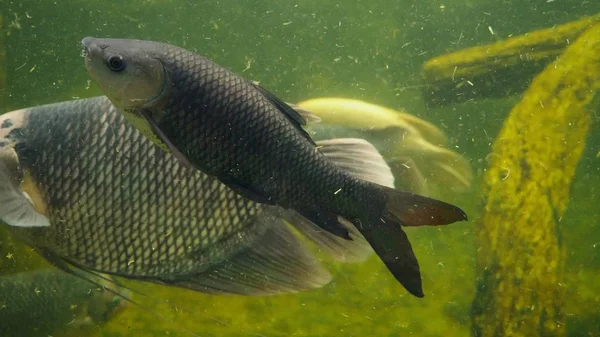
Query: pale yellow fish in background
[
  {"x": 416, "y": 149},
  {"x": 354, "y": 113}
]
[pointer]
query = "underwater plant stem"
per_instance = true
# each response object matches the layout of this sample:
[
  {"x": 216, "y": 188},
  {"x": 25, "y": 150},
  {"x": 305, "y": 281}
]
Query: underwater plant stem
[
  {"x": 520, "y": 256},
  {"x": 499, "y": 69}
]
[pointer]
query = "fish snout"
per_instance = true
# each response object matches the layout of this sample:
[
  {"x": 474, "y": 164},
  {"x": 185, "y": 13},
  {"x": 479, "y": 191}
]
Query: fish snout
[{"x": 91, "y": 48}]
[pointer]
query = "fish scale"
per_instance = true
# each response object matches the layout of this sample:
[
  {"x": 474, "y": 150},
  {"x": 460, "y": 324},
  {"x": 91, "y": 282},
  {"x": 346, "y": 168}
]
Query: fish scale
[
  {"x": 104, "y": 217},
  {"x": 220, "y": 91}
]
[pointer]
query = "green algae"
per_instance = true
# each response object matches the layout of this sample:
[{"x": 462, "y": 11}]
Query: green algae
[{"x": 521, "y": 256}]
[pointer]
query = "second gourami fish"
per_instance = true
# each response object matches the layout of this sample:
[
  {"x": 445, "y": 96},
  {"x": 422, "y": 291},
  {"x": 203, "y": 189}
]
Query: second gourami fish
[{"x": 82, "y": 186}]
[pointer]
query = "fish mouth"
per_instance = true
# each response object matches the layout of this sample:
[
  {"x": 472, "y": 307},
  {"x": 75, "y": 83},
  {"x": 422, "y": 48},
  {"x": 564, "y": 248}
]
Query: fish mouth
[
  {"x": 90, "y": 47},
  {"x": 84, "y": 50}
]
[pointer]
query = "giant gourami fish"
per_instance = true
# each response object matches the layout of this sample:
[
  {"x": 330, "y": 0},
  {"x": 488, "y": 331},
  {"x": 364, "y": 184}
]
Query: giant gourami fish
[
  {"x": 230, "y": 128},
  {"x": 85, "y": 189}
]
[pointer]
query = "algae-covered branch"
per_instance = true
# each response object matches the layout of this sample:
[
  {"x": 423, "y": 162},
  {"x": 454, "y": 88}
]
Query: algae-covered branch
[
  {"x": 520, "y": 256},
  {"x": 499, "y": 69}
]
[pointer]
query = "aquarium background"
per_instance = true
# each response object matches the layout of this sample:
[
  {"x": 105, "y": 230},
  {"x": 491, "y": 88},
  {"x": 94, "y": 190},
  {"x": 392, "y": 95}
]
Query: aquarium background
[{"x": 368, "y": 50}]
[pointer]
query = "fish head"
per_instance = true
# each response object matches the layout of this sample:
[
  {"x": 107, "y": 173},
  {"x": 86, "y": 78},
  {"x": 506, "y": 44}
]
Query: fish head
[
  {"x": 130, "y": 72},
  {"x": 21, "y": 202},
  {"x": 132, "y": 75}
]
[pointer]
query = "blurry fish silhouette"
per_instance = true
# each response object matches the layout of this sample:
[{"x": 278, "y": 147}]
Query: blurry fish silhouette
[
  {"x": 44, "y": 302},
  {"x": 415, "y": 149}
]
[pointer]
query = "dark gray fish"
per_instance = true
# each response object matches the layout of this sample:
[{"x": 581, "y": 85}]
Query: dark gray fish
[
  {"x": 86, "y": 189},
  {"x": 44, "y": 302},
  {"x": 232, "y": 129}
]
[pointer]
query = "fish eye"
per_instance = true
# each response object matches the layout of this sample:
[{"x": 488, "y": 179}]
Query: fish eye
[{"x": 115, "y": 63}]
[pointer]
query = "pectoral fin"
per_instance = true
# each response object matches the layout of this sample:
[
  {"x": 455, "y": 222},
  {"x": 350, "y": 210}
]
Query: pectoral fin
[
  {"x": 16, "y": 207},
  {"x": 162, "y": 140}
]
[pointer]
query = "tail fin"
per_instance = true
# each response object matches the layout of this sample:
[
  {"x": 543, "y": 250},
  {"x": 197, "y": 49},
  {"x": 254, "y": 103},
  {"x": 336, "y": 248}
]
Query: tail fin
[
  {"x": 414, "y": 210},
  {"x": 384, "y": 234},
  {"x": 390, "y": 242},
  {"x": 393, "y": 248}
]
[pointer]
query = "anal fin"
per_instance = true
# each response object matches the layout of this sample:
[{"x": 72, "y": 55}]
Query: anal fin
[
  {"x": 355, "y": 250},
  {"x": 277, "y": 263},
  {"x": 327, "y": 221}
]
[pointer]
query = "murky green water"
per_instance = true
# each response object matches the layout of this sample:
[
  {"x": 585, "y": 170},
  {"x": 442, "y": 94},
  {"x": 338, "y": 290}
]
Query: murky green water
[{"x": 368, "y": 50}]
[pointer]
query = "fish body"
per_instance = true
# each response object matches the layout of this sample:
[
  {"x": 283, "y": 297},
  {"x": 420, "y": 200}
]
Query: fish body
[
  {"x": 83, "y": 187},
  {"x": 45, "y": 302},
  {"x": 231, "y": 128}
]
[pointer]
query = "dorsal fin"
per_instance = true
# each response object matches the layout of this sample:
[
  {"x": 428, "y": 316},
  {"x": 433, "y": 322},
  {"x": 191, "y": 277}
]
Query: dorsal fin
[
  {"x": 308, "y": 115},
  {"x": 291, "y": 114}
]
